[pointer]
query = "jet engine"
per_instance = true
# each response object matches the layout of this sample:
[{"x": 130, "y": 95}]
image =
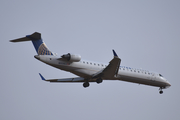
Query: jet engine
[{"x": 71, "y": 57}]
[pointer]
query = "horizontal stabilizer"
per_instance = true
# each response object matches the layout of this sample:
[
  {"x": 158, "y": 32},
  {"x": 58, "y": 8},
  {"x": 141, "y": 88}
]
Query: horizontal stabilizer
[
  {"x": 34, "y": 36},
  {"x": 21, "y": 39}
]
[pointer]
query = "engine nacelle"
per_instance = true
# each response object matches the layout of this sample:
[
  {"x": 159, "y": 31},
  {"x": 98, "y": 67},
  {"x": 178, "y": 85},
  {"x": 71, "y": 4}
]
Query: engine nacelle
[{"x": 71, "y": 57}]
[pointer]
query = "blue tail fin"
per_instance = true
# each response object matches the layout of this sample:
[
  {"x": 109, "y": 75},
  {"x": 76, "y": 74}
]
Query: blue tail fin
[{"x": 38, "y": 43}]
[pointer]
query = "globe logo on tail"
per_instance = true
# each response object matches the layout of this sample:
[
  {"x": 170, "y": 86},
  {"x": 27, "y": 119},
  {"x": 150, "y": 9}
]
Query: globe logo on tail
[{"x": 43, "y": 50}]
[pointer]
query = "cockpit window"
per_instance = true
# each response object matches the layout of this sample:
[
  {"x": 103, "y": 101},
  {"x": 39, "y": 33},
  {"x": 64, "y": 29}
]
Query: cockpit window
[{"x": 160, "y": 75}]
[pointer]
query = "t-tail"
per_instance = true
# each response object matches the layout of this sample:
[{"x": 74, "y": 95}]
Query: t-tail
[{"x": 38, "y": 43}]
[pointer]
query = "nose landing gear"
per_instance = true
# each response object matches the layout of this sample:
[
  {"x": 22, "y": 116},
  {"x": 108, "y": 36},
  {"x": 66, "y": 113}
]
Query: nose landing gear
[{"x": 160, "y": 91}]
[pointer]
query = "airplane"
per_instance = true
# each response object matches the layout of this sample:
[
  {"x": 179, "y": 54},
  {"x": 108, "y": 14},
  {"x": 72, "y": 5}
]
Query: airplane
[{"x": 92, "y": 71}]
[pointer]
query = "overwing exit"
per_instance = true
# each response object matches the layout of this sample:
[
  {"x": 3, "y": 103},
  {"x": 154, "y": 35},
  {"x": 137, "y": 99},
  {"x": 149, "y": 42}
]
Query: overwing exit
[{"x": 92, "y": 71}]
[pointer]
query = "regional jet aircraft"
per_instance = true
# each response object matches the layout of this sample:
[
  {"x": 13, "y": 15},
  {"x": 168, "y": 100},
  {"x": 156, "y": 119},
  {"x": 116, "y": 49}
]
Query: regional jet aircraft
[{"x": 92, "y": 71}]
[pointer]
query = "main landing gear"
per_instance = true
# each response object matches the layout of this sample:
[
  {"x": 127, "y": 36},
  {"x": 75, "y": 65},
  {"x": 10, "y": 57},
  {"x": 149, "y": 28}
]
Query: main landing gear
[
  {"x": 160, "y": 91},
  {"x": 86, "y": 83},
  {"x": 99, "y": 80}
]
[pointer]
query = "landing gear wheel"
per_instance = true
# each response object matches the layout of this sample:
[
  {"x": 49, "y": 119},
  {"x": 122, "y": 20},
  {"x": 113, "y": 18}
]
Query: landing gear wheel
[
  {"x": 161, "y": 92},
  {"x": 99, "y": 80},
  {"x": 86, "y": 84}
]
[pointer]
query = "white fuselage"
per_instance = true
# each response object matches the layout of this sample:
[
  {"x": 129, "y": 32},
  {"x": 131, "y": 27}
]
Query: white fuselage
[{"x": 86, "y": 69}]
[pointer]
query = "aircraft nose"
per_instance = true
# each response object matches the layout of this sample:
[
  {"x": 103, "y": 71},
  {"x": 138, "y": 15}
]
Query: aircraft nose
[{"x": 168, "y": 84}]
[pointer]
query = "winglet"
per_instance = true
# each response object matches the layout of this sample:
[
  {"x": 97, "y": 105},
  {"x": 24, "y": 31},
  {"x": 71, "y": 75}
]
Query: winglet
[
  {"x": 115, "y": 53},
  {"x": 42, "y": 77}
]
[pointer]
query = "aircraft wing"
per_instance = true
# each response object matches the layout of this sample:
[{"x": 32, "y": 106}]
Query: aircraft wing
[
  {"x": 111, "y": 70},
  {"x": 76, "y": 79}
]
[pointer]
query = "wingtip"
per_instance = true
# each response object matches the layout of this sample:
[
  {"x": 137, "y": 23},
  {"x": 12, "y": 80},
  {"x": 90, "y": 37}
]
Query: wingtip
[
  {"x": 42, "y": 77},
  {"x": 115, "y": 53}
]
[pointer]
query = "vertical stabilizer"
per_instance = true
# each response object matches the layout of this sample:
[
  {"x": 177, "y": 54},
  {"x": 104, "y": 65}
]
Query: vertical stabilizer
[{"x": 38, "y": 43}]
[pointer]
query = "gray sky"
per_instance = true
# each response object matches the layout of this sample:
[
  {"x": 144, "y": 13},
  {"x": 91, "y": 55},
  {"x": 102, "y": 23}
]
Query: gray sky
[{"x": 144, "y": 35}]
